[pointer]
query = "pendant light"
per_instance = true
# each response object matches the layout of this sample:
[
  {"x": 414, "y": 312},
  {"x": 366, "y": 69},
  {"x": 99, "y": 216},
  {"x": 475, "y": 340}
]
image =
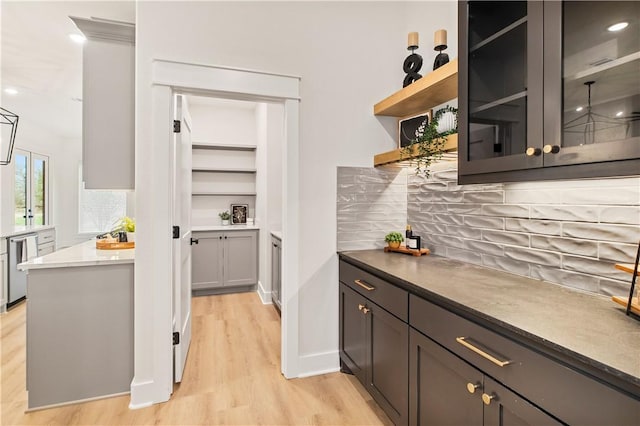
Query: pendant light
[{"x": 8, "y": 127}]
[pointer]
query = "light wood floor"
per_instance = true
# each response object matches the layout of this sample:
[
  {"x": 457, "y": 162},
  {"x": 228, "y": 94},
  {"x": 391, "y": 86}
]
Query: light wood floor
[{"x": 232, "y": 377}]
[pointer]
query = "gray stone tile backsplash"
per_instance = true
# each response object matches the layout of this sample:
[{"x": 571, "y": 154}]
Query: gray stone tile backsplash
[
  {"x": 566, "y": 232},
  {"x": 370, "y": 203}
]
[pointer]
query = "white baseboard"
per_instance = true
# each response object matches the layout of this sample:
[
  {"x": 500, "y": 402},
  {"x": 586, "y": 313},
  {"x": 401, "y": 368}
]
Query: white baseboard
[
  {"x": 145, "y": 394},
  {"x": 265, "y": 296},
  {"x": 319, "y": 363}
]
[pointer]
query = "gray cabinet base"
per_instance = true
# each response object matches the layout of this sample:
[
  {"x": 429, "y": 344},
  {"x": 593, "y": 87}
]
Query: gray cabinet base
[
  {"x": 79, "y": 333},
  {"x": 224, "y": 290}
]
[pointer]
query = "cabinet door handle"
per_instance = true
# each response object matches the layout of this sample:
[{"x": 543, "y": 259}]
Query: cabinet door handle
[
  {"x": 482, "y": 353},
  {"x": 225, "y": 237},
  {"x": 220, "y": 237},
  {"x": 366, "y": 310},
  {"x": 531, "y": 151},
  {"x": 471, "y": 387},
  {"x": 194, "y": 241},
  {"x": 360, "y": 306},
  {"x": 364, "y": 285},
  {"x": 487, "y": 398},
  {"x": 551, "y": 149}
]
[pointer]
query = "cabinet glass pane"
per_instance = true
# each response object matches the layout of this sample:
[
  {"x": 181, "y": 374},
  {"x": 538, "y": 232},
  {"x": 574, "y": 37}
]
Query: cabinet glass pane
[
  {"x": 497, "y": 79},
  {"x": 601, "y": 72},
  {"x": 20, "y": 190},
  {"x": 486, "y": 18}
]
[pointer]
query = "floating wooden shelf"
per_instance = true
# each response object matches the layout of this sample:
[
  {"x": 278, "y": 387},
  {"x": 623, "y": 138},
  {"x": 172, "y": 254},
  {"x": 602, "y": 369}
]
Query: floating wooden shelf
[
  {"x": 433, "y": 89},
  {"x": 396, "y": 155},
  {"x": 635, "y": 304}
]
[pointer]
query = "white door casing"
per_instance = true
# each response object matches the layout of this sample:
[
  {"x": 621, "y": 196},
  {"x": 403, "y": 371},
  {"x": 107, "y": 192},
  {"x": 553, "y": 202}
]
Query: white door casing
[
  {"x": 181, "y": 187},
  {"x": 153, "y": 380}
]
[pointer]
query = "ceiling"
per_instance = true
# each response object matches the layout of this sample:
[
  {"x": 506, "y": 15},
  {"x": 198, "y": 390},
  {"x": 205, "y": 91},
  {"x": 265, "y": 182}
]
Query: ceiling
[{"x": 44, "y": 65}]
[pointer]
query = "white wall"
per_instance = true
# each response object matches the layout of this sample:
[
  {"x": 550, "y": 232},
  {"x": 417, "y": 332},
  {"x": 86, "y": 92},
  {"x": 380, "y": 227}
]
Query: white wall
[
  {"x": 64, "y": 156},
  {"x": 349, "y": 56}
]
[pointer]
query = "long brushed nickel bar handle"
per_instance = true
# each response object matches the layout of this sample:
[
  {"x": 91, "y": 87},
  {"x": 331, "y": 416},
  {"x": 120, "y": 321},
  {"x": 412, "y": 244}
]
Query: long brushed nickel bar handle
[
  {"x": 482, "y": 353},
  {"x": 364, "y": 285}
]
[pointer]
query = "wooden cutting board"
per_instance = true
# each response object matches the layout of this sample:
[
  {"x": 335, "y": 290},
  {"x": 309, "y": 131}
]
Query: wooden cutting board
[
  {"x": 404, "y": 249},
  {"x": 103, "y": 245}
]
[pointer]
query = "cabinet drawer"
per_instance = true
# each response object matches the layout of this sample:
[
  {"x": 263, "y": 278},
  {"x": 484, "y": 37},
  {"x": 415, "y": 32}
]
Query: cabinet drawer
[
  {"x": 562, "y": 391},
  {"x": 44, "y": 249},
  {"x": 46, "y": 236},
  {"x": 392, "y": 298}
]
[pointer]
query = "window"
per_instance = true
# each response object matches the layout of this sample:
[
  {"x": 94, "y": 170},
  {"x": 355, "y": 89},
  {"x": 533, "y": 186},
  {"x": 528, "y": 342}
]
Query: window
[
  {"x": 31, "y": 188},
  {"x": 99, "y": 210}
]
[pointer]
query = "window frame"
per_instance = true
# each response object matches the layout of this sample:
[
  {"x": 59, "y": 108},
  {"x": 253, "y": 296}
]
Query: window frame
[{"x": 32, "y": 157}]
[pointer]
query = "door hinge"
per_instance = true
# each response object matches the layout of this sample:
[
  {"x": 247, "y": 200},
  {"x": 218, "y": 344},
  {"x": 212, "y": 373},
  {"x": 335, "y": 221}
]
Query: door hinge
[
  {"x": 176, "y": 232},
  {"x": 176, "y": 338},
  {"x": 176, "y": 126}
]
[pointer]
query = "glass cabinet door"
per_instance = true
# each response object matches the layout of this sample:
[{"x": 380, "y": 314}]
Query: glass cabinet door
[
  {"x": 501, "y": 90},
  {"x": 592, "y": 82}
]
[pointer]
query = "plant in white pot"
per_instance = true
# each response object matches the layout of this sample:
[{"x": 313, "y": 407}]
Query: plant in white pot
[
  {"x": 225, "y": 216},
  {"x": 128, "y": 225}
]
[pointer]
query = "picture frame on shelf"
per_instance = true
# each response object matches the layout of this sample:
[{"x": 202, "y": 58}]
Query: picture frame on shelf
[
  {"x": 239, "y": 213},
  {"x": 408, "y": 126}
]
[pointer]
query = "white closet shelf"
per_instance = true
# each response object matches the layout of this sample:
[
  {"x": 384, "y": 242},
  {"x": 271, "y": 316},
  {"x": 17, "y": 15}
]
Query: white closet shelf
[
  {"x": 223, "y": 146},
  {"x": 222, "y": 170},
  {"x": 231, "y": 193}
]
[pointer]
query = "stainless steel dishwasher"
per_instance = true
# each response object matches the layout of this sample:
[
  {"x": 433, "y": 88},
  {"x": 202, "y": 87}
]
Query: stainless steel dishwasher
[{"x": 17, "y": 288}]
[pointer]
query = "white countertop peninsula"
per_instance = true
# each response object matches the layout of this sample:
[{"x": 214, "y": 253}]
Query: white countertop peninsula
[
  {"x": 84, "y": 254},
  {"x": 86, "y": 294}
]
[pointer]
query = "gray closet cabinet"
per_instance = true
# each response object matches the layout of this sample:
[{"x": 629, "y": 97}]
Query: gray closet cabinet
[
  {"x": 276, "y": 272},
  {"x": 224, "y": 259}
]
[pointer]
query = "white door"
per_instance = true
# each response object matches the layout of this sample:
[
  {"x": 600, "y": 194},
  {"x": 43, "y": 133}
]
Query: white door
[{"x": 182, "y": 244}]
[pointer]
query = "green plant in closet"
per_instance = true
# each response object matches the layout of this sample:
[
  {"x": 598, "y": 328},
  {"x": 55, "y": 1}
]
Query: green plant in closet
[
  {"x": 428, "y": 146},
  {"x": 225, "y": 215}
]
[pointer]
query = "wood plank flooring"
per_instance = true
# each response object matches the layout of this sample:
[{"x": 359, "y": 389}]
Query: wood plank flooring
[{"x": 232, "y": 377}]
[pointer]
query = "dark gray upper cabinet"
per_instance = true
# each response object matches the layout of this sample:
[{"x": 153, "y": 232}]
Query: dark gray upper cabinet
[{"x": 546, "y": 91}]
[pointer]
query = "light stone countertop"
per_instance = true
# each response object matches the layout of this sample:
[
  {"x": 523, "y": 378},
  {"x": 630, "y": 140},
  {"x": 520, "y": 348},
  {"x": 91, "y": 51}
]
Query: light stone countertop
[
  {"x": 586, "y": 327},
  {"x": 19, "y": 230},
  {"x": 202, "y": 228},
  {"x": 83, "y": 254}
]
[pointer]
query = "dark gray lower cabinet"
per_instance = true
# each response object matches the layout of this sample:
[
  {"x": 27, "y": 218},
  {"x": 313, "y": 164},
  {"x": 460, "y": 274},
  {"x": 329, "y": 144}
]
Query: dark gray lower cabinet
[
  {"x": 374, "y": 345},
  {"x": 440, "y": 368},
  {"x": 445, "y": 390}
]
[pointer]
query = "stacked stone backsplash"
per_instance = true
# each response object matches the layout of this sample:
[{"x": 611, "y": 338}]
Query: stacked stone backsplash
[
  {"x": 566, "y": 232},
  {"x": 371, "y": 203}
]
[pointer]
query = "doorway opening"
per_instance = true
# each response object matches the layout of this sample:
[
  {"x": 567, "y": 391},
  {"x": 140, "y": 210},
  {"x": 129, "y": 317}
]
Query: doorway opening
[{"x": 156, "y": 296}]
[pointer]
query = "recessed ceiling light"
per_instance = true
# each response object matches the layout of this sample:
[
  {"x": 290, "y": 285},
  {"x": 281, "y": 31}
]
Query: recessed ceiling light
[
  {"x": 617, "y": 27},
  {"x": 619, "y": 113},
  {"x": 10, "y": 91},
  {"x": 78, "y": 38},
  {"x": 579, "y": 109}
]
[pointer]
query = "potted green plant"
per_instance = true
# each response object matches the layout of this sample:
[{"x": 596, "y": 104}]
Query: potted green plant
[
  {"x": 428, "y": 146},
  {"x": 394, "y": 239},
  {"x": 225, "y": 216}
]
